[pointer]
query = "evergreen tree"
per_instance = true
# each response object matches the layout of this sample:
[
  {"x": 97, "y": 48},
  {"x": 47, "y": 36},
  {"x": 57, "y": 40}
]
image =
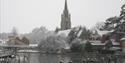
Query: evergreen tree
[
  {"x": 88, "y": 46},
  {"x": 117, "y": 24},
  {"x": 71, "y": 36},
  {"x": 109, "y": 44},
  {"x": 56, "y": 30},
  {"x": 85, "y": 33}
]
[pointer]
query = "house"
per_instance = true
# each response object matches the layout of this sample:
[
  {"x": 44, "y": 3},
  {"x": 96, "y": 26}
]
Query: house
[
  {"x": 17, "y": 41},
  {"x": 3, "y": 41},
  {"x": 107, "y": 47}
]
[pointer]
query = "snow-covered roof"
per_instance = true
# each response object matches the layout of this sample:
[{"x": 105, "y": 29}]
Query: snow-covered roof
[
  {"x": 76, "y": 28},
  {"x": 115, "y": 43},
  {"x": 33, "y": 45},
  {"x": 64, "y": 32},
  {"x": 34, "y": 51},
  {"x": 95, "y": 42},
  {"x": 122, "y": 38},
  {"x": 104, "y": 32}
]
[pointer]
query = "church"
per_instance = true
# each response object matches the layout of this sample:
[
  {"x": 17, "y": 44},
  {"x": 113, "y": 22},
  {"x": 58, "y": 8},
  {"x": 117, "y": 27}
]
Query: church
[{"x": 65, "y": 18}]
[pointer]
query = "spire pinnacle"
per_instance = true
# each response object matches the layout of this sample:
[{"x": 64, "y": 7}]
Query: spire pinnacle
[
  {"x": 65, "y": 11},
  {"x": 66, "y": 8}
]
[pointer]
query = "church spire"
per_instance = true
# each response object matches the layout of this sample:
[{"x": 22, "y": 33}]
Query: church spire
[
  {"x": 65, "y": 18},
  {"x": 66, "y": 9}
]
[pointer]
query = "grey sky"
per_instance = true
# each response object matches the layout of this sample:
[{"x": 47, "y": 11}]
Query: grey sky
[{"x": 28, "y": 14}]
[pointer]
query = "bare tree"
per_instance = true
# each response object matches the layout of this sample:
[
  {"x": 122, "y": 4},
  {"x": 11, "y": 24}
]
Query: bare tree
[{"x": 99, "y": 25}]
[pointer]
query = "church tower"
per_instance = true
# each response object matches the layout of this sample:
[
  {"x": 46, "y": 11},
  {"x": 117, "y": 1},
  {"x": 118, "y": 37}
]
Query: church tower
[{"x": 65, "y": 18}]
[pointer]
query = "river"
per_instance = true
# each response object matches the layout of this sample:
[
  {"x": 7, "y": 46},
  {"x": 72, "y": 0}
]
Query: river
[
  {"x": 75, "y": 58},
  {"x": 54, "y": 58}
]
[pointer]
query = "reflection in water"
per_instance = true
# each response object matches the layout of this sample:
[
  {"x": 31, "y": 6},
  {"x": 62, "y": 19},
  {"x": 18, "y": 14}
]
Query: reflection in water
[
  {"x": 77, "y": 58},
  {"x": 54, "y": 58},
  {"x": 48, "y": 58}
]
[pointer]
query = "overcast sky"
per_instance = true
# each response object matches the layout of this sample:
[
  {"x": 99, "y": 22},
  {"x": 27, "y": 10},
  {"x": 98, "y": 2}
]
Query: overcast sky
[{"x": 28, "y": 14}]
